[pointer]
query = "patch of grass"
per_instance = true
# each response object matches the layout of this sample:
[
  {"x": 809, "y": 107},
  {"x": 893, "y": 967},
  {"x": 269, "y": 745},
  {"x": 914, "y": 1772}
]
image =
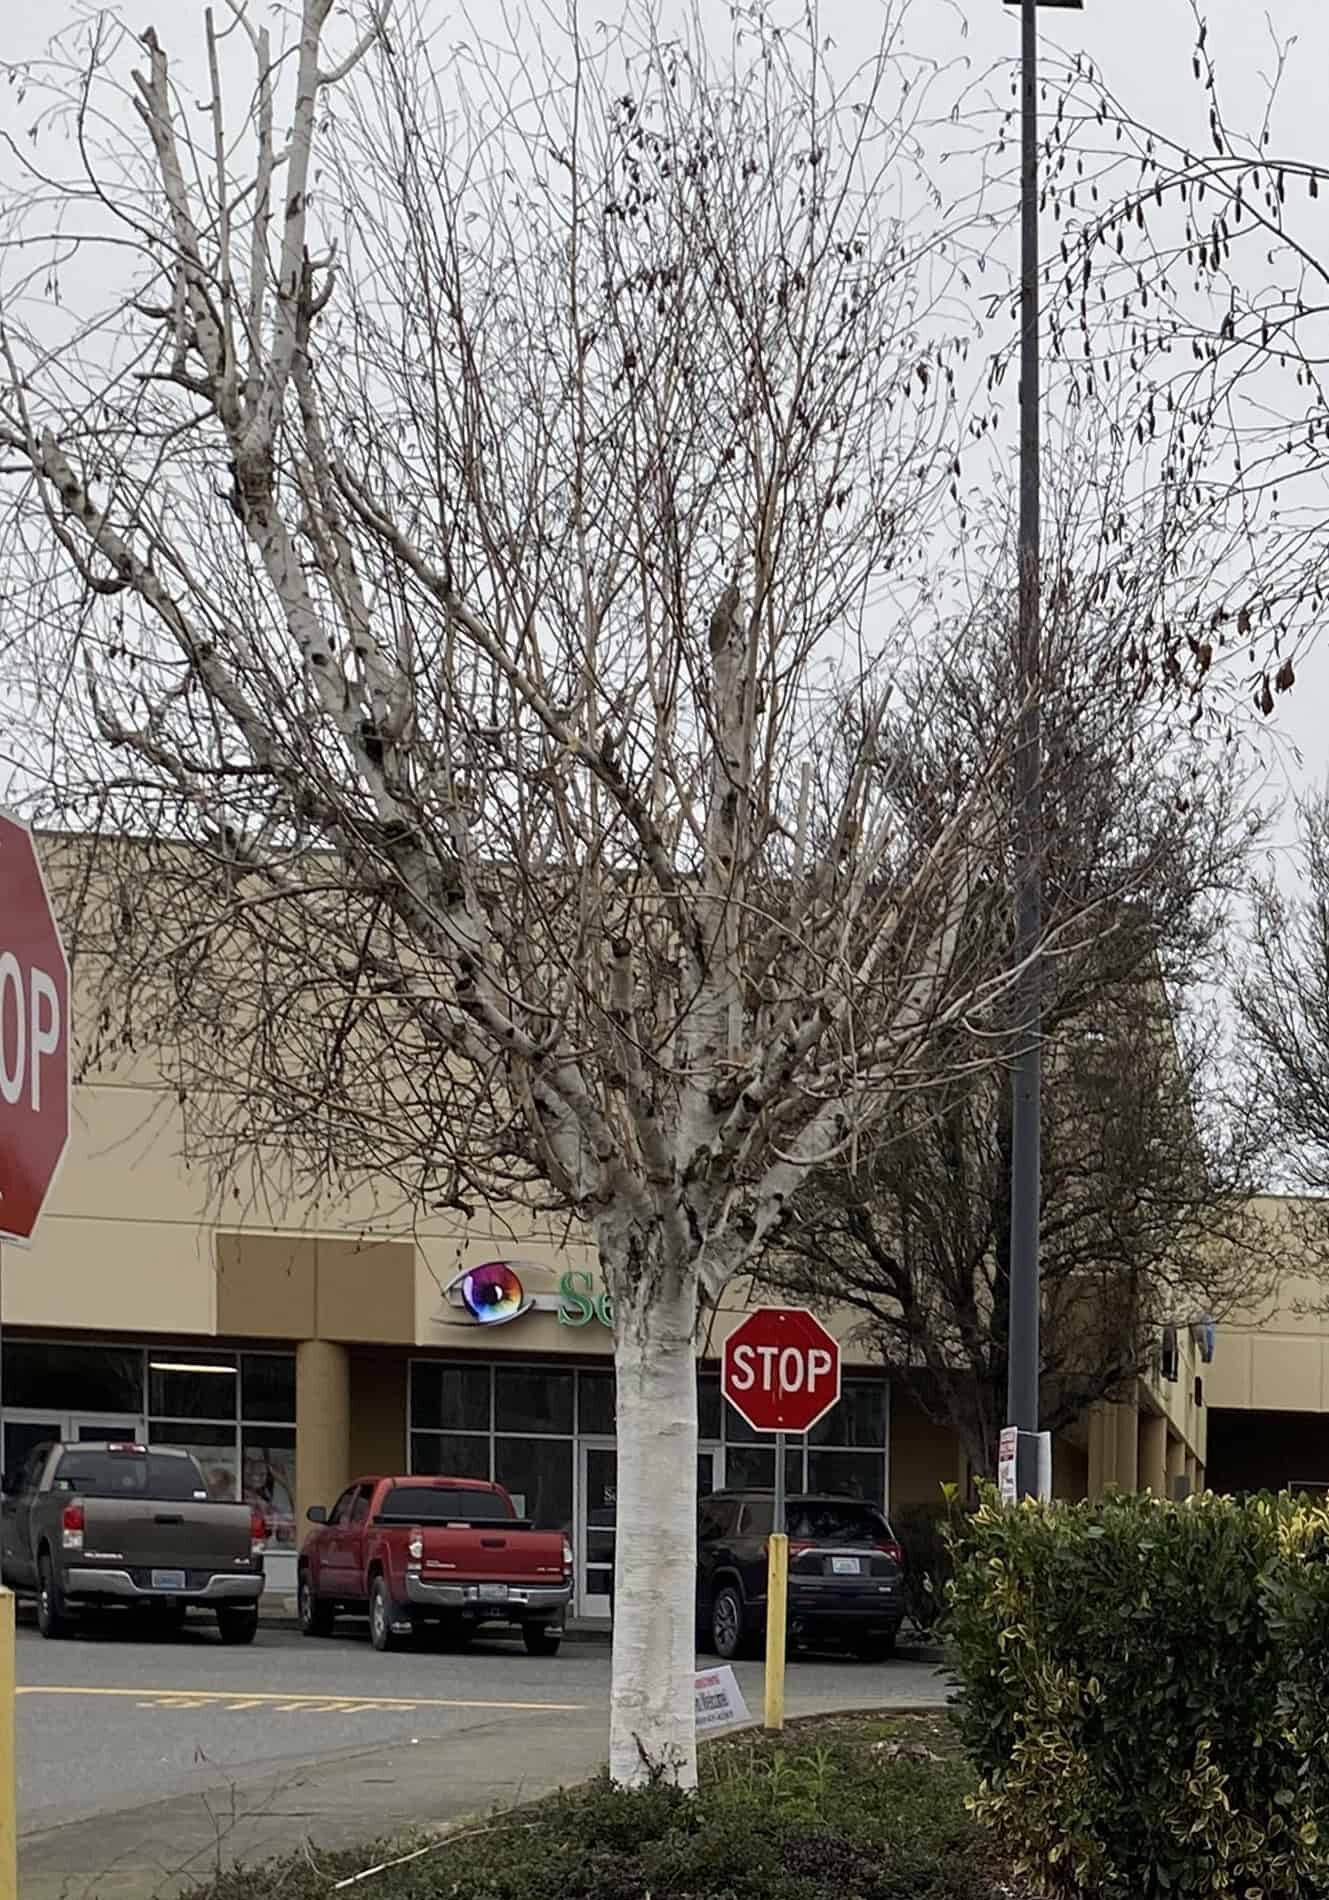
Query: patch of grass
[{"x": 839, "y": 1808}]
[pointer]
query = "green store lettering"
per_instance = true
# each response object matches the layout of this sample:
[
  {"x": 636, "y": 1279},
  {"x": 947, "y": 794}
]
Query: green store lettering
[{"x": 578, "y": 1304}]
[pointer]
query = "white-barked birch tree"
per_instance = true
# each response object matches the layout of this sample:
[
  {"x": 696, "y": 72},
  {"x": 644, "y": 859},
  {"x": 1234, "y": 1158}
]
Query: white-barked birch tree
[{"x": 476, "y": 535}]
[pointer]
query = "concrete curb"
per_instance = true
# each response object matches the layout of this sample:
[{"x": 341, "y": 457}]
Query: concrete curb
[{"x": 280, "y": 1615}]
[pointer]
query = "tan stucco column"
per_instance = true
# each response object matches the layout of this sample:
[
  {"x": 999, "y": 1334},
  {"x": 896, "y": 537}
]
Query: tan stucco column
[
  {"x": 1128, "y": 1447},
  {"x": 1153, "y": 1453},
  {"x": 1176, "y": 1463},
  {"x": 322, "y": 1424},
  {"x": 1102, "y": 1449},
  {"x": 1192, "y": 1472}
]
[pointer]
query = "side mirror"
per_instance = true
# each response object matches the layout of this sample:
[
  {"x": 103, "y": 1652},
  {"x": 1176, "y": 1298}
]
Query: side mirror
[{"x": 317, "y": 1514}]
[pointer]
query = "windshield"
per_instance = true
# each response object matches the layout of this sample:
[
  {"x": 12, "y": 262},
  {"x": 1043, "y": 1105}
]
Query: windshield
[
  {"x": 144, "y": 1474},
  {"x": 836, "y": 1521},
  {"x": 443, "y": 1504}
]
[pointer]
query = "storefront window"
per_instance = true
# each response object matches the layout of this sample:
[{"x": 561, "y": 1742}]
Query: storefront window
[
  {"x": 708, "y": 1406},
  {"x": 737, "y": 1431},
  {"x": 183, "y": 1385},
  {"x": 449, "y": 1455},
  {"x": 595, "y": 1404},
  {"x": 267, "y": 1387},
  {"x": 267, "y": 1477},
  {"x": 847, "y": 1474},
  {"x": 61, "y": 1378},
  {"x": 212, "y": 1445},
  {"x": 752, "y": 1468},
  {"x": 449, "y": 1398},
  {"x": 538, "y": 1474},
  {"x": 532, "y": 1399},
  {"x": 859, "y": 1419},
  {"x": 234, "y": 1412}
]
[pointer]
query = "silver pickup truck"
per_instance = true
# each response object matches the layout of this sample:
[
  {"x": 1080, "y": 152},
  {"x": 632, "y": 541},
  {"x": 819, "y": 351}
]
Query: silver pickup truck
[{"x": 116, "y": 1525}]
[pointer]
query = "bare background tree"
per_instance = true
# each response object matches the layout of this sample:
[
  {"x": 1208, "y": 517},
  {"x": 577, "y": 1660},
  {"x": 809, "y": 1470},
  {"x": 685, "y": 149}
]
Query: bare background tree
[
  {"x": 1187, "y": 288},
  {"x": 1283, "y": 999},
  {"x": 1150, "y": 1154},
  {"x": 479, "y": 598}
]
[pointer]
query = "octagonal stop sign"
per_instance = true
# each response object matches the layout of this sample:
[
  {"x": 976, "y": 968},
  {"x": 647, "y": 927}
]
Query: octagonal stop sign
[
  {"x": 781, "y": 1369},
  {"x": 34, "y": 1035}
]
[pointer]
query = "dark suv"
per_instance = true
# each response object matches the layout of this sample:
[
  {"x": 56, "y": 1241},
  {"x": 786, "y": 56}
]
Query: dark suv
[{"x": 846, "y": 1572}]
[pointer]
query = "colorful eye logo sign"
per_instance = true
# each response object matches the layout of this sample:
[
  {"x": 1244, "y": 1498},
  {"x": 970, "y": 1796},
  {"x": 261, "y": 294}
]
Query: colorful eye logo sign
[{"x": 493, "y": 1294}]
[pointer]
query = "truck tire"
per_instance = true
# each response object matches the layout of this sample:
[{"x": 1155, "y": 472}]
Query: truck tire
[
  {"x": 316, "y": 1614},
  {"x": 541, "y": 1639},
  {"x": 730, "y": 1636},
  {"x": 52, "y": 1616},
  {"x": 383, "y": 1613},
  {"x": 237, "y": 1622}
]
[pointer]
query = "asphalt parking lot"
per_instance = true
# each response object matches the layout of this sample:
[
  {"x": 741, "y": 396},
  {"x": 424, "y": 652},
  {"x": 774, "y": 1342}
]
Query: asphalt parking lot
[{"x": 145, "y": 1762}]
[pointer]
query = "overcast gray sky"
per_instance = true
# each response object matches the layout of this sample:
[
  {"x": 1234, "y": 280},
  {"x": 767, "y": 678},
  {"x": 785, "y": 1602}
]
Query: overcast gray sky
[{"x": 1142, "y": 47}]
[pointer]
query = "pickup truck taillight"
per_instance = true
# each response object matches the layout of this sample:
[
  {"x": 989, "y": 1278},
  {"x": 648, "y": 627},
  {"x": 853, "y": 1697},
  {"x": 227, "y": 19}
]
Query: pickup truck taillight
[
  {"x": 71, "y": 1527},
  {"x": 567, "y": 1558},
  {"x": 258, "y": 1532},
  {"x": 415, "y": 1548}
]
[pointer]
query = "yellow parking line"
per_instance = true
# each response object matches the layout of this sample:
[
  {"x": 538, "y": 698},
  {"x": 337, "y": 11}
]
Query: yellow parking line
[{"x": 200, "y": 1698}]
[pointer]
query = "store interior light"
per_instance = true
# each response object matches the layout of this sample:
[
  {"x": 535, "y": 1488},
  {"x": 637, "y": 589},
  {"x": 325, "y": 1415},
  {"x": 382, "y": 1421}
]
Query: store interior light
[{"x": 173, "y": 1365}]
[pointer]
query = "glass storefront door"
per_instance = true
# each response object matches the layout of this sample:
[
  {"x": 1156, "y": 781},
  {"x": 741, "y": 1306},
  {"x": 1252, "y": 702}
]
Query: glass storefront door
[
  {"x": 598, "y": 1505},
  {"x": 25, "y": 1429},
  {"x": 23, "y": 1432},
  {"x": 599, "y": 1516}
]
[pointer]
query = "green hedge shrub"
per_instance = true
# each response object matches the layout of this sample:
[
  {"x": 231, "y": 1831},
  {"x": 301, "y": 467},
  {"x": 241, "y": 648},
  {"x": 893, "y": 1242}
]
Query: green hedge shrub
[{"x": 1141, "y": 1694}]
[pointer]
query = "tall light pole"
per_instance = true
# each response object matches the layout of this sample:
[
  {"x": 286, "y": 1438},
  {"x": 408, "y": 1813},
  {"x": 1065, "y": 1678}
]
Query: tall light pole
[{"x": 1027, "y": 1077}]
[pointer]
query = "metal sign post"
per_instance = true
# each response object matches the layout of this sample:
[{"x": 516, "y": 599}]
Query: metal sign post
[{"x": 777, "y": 1600}]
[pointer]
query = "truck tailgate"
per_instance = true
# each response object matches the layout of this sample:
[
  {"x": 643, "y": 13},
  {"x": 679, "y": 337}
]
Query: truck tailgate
[
  {"x": 491, "y": 1553},
  {"x": 176, "y": 1534}
]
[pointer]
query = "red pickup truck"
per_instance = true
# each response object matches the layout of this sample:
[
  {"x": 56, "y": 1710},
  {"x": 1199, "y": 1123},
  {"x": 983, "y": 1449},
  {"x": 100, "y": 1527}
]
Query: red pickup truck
[{"x": 450, "y": 1551}]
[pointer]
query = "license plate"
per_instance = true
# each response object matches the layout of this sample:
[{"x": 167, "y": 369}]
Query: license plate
[
  {"x": 846, "y": 1567},
  {"x": 493, "y": 1593},
  {"x": 168, "y": 1579}
]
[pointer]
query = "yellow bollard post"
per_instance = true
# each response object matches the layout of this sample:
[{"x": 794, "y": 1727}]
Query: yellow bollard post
[
  {"x": 777, "y": 1608},
  {"x": 8, "y": 1799}
]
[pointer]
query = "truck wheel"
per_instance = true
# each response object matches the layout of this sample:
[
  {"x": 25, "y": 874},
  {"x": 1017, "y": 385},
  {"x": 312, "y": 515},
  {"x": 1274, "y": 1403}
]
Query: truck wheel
[
  {"x": 237, "y": 1622},
  {"x": 541, "y": 1639},
  {"x": 316, "y": 1616},
  {"x": 383, "y": 1613},
  {"x": 52, "y": 1616},
  {"x": 729, "y": 1631}
]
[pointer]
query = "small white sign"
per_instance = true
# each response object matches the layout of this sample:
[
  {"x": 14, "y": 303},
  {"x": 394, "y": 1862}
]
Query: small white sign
[
  {"x": 720, "y": 1701},
  {"x": 1008, "y": 1451}
]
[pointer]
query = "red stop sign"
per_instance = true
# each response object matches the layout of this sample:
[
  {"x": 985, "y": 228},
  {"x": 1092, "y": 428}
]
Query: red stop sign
[
  {"x": 781, "y": 1369},
  {"x": 34, "y": 1035}
]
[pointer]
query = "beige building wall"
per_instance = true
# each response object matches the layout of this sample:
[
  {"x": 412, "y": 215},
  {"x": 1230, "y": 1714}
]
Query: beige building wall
[
  {"x": 1275, "y": 1356},
  {"x": 924, "y": 1455}
]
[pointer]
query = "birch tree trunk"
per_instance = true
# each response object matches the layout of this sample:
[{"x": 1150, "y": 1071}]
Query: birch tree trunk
[{"x": 652, "y": 1729}]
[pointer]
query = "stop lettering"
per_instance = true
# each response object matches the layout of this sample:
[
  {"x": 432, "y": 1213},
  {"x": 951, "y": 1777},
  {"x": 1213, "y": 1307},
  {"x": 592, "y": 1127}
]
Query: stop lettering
[
  {"x": 781, "y": 1369},
  {"x": 34, "y": 1035}
]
